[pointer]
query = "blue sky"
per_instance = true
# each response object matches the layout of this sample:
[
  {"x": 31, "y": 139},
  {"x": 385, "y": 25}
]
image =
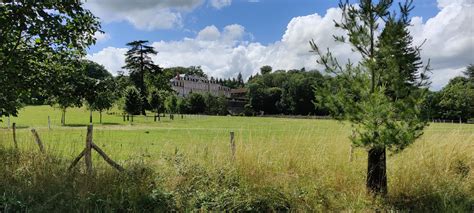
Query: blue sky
[
  {"x": 226, "y": 37},
  {"x": 266, "y": 20}
]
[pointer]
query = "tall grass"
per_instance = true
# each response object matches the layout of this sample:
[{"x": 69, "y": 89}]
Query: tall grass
[{"x": 185, "y": 165}]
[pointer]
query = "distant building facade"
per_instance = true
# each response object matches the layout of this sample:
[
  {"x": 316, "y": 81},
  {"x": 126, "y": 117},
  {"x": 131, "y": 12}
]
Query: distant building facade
[{"x": 186, "y": 84}]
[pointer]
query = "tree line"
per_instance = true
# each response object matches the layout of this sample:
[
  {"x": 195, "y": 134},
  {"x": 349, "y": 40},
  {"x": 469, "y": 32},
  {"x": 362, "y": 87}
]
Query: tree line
[
  {"x": 455, "y": 101},
  {"x": 285, "y": 92},
  {"x": 385, "y": 96}
]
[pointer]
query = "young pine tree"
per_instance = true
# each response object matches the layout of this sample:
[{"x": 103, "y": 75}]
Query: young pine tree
[{"x": 382, "y": 95}]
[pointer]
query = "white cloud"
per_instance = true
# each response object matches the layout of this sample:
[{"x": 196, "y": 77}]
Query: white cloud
[
  {"x": 144, "y": 14},
  {"x": 226, "y": 52},
  {"x": 112, "y": 58},
  {"x": 101, "y": 37},
  {"x": 449, "y": 39},
  {"x": 209, "y": 33},
  {"x": 218, "y": 4},
  {"x": 233, "y": 32}
]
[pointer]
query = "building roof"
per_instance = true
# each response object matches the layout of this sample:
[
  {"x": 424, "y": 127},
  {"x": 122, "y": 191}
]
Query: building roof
[{"x": 196, "y": 78}]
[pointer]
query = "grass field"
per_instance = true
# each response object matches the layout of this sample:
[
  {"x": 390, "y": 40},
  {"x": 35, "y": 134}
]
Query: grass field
[{"x": 296, "y": 164}]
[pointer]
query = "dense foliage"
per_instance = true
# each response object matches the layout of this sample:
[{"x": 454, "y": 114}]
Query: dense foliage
[
  {"x": 285, "y": 92},
  {"x": 36, "y": 37},
  {"x": 133, "y": 101},
  {"x": 140, "y": 65}
]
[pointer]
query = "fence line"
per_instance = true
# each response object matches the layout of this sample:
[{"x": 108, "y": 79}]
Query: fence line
[{"x": 87, "y": 154}]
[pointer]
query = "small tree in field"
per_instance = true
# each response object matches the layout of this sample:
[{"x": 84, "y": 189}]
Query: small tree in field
[
  {"x": 171, "y": 103},
  {"x": 197, "y": 103},
  {"x": 133, "y": 101},
  {"x": 183, "y": 105},
  {"x": 222, "y": 105},
  {"x": 157, "y": 101},
  {"x": 70, "y": 87},
  {"x": 100, "y": 90},
  {"x": 382, "y": 95}
]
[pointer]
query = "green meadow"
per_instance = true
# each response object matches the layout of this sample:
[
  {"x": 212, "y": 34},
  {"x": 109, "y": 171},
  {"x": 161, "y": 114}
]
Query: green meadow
[{"x": 280, "y": 164}]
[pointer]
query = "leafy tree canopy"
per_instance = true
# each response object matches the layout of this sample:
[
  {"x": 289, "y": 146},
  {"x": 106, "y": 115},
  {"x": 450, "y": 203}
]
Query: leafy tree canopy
[
  {"x": 34, "y": 35},
  {"x": 133, "y": 101}
]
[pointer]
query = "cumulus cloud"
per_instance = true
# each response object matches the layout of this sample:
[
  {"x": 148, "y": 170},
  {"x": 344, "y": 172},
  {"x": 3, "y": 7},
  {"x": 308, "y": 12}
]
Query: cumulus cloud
[
  {"x": 209, "y": 33},
  {"x": 218, "y": 4},
  {"x": 449, "y": 39},
  {"x": 143, "y": 14},
  {"x": 228, "y": 51},
  {"x": 101, "y": 37},
  {"x": 112, "y": 58}
]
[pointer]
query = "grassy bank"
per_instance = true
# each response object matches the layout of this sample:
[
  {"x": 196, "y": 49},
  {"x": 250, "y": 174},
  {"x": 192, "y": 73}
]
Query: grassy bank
[{"x": 185, "y": 164}]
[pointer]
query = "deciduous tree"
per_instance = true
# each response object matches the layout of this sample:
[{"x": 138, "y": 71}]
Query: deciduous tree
[
  {"x": 457, "y": 99},
  {"x": 100, "y": 91},
  {"x": 265, "y": 69},
  {"x": 197, "y": 103},
  {"x": 133, "y": 101},
  {"x": 34, "y": 35},
  {"x": 70, "y": 85}
]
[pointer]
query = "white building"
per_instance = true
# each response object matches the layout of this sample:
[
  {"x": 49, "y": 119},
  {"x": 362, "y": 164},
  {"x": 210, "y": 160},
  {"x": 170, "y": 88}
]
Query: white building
[{"x": 185, "y": 84}]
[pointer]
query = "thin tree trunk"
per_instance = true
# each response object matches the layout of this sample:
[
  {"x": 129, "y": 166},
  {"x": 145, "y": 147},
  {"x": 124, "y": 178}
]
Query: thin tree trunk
[
  {"x": 100, "y": 116},
  {"x": 377, "y": 171},
  {"x": 63, "y": 117},
  {"x": 90, "y": 116}
]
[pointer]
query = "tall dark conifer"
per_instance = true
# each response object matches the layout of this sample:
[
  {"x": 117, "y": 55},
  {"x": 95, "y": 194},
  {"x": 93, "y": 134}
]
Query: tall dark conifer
[{"x": 139, "y": 63}]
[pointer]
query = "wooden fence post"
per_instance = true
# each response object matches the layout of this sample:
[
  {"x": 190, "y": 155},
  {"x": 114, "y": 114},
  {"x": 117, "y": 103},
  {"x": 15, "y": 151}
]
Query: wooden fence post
[
  {"x": 14, "y": 136},
  {"x": 351, "y": 151},
  {"x": 49, "y": 122},
  {"x": 107, "y": 158},
  {"x": 232, "y": 145},
  {"x": 87, "y": 154},
  {"x": 38, "y": 140},
  {"x": 88, "y": 150}
]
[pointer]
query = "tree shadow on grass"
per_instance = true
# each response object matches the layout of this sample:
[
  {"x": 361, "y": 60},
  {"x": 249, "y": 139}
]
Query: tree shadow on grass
[
  {"x": 17, "y": 127},
  {"x": 109, "y": 124},
  {"x": 95, "y": 124},
  {"x": 76, "y": 125}
]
